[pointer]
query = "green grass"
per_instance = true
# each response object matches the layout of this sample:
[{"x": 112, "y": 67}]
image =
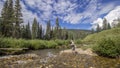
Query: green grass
[
  {"x": 97, "y": 36},
  {"x": 31, "y": 44},
  {"x": 79, "y": 41},
  {"x": 105, "y": 43}
]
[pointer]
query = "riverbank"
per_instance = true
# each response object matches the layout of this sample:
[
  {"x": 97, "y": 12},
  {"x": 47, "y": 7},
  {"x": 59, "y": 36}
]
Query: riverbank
[
  {"x": 35, "y": 44},
  {"x": 80, "y": 51},
  {"x": 50, "y": 58},
  {"x": 15, "y": 61}
]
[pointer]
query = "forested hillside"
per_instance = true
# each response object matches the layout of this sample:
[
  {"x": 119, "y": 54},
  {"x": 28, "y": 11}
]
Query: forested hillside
[{"x": 79, "y": 33}]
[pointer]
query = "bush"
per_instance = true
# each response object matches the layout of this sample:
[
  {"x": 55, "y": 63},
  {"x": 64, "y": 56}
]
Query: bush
[
  {"x": 78, "y": 41},
  {"x": 60, "y": 42},
  {"x": 67, "y": 42},
  {"x": 51, "y": 44},
  {"x": 108, "y": 46},
  {"x": 7, "y": 42},
  {"x": 31, "y": 44},
  {"x": 37, "y": 44}
]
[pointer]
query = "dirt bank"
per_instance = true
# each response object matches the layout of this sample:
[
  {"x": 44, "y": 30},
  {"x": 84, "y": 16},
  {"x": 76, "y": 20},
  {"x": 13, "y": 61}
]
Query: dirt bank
[{"x": 80, "y": 51}]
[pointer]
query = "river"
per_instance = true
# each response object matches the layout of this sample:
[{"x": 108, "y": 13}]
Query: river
[{"x": 50, "y": 58}]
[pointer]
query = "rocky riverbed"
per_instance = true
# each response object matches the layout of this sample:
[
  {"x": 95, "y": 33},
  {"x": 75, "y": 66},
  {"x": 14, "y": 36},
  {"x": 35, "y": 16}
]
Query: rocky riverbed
[
  {"x": 16, "y": 60},
  {"x": 51, "y": 58}
]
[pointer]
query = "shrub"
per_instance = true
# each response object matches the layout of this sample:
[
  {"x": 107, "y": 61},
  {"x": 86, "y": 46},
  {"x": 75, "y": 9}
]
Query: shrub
[
  {"x": 60, "y": 42},
  {"x": 108, "y": 46},
  {"x": 67, "y": 42},
  {"x": 37, "y": 44},
  {"x": 51, "y": 44},
  {"x": 31, "y": 44},
  {"x": 19, "y": 43},
  {"x": 78, "y": 41},
  {"x": 5, "y": 42}
]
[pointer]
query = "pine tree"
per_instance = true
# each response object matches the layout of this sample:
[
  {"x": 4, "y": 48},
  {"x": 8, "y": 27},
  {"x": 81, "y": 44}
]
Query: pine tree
[
  {"x": 70, "y": 35},
  {"x": 7, "y": 18},
  {"x": 104, "y": 24},
  {"x": 23, "y": 32},
  {"x": 0, "y": 26},
  {"x": 60, "y": 33},
  {"x": 10, "y": 14},
  {"x": 56, "y": 31},
  {"x": 108, "y": 26},
  {"x": 66, "y": 35},
  {"x": 48, "y": 30},
  {"x": 98, "y": 28},
  {"x": 34, "y": 29},
  {"x": 39, "y": 32},
  {"x": 11, "y": 19},
  {"x": 118, "y": 24},
  {"x": 4, "y": 17},
  {"x": 18, "y": 18},
  {"x": 92, "y": 30},
  {"x": 28, "y": 31},
  {"x": 63, "y": 33},
  {"x": 52, "y": 33},
  {"x": 57, "y": 24}
]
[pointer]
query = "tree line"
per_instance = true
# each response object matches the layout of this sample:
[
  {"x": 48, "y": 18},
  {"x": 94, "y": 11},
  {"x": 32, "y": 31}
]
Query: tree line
[{"x": 11, "y": 25}]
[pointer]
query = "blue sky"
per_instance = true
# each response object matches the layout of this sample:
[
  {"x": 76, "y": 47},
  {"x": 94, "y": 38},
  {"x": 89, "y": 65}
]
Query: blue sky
[{"x": 72, "y": 14}]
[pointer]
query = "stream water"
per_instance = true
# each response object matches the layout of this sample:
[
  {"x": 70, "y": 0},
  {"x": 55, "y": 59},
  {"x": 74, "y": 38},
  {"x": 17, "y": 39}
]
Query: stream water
[{"x": 50, "y": 58}]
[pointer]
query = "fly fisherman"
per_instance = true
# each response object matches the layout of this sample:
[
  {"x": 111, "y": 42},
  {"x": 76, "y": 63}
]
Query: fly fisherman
[{"x": 73, "y": 46}]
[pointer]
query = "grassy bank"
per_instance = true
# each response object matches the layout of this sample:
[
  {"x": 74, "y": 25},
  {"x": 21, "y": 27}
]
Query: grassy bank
[
  {"x": 97, "y": 36},
  {"x": 105, "y": 43},
  {"x": 31, "y": 44}
]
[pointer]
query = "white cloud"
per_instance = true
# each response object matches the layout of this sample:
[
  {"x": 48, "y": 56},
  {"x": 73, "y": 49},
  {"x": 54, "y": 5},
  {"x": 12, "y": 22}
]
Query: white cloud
[
  {"x": 114, "y": 14},
  {"x": 90, "y": 12},
  {"x": 106, "y": 8},
  {"x": 73, "y": 18},
  {"x": 27, "y": 15},
  {"x": 95, "y": 9},
  {"x": 1, "y": 6},
  {"x": 65, "y": 8},
  {"x": 62, "y": 7},
  {"x": 99, "y": 22},
  {"x": 41, "y": 6},
  {"x": 111, "y": 16}
]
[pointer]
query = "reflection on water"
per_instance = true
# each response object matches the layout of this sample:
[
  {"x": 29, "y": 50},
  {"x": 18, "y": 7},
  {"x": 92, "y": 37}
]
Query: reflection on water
[{"x": 46, "y": 52}]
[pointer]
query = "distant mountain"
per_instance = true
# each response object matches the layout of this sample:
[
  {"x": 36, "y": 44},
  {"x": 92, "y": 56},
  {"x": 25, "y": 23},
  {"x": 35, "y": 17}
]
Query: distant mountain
[
  {"x": 79, "y": 30},
  {"x": 78, "y": 33}
]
